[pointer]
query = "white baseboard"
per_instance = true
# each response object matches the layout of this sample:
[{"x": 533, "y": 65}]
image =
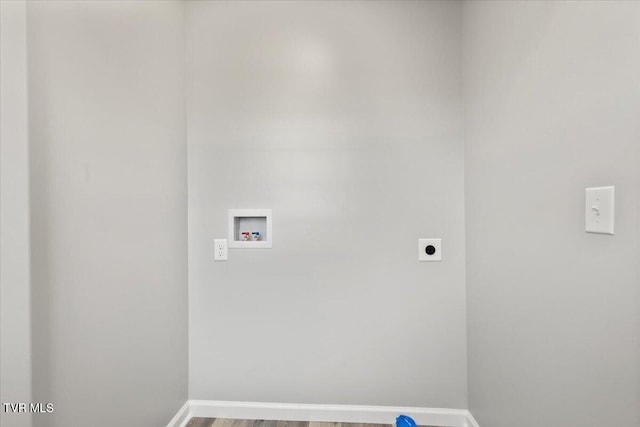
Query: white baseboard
[
  {"x": 181, "y": 417},
  {"x": 328, "y": 413},
  {"x": 472, "y": 421}
]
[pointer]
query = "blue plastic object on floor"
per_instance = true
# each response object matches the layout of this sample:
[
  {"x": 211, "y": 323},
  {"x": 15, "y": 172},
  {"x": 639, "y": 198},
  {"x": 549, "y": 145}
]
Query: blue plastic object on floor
[{"x": 405, "y": 421}]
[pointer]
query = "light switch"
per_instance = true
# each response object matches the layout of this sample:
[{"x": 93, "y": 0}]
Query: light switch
[{"x": 599, "y": 210}]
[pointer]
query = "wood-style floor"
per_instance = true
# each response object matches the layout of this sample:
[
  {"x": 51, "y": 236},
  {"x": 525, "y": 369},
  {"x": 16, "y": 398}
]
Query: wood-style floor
[{"x": 223, "y": 422}]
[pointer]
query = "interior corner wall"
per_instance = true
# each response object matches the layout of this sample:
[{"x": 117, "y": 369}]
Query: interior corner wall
[
  {"x": 552, "y": 98},
  {"x": 109, "y": 221},
  {"x": 345, "y": 118},
  {"x": 15, "y": 311}
]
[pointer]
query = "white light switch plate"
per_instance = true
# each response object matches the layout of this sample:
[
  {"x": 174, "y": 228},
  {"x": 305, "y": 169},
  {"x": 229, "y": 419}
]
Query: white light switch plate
[
  {"x": 436, "y": 248},
  {"x": 599, "y": 210},
  {"x": 221, "y": 250}
]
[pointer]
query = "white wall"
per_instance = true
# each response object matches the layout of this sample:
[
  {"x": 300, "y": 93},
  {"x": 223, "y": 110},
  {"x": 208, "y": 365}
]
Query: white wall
[
  {"x": 15, "y": 325},
  {"x": 345, "y": 119},
  {"x": 552, "y": 96},
  {"x": 108, "y": 169}
]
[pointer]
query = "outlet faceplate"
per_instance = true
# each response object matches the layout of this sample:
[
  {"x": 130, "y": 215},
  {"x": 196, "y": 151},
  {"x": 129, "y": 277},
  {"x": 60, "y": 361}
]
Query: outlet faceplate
[
  {"x": 221, "y": 251},
  {"x": 429, "y": 249}
]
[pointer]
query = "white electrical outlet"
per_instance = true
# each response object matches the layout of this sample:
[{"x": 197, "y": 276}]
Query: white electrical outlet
[
  {"x": 429, "y": 249},
  {"x": 221, "y": 251}
]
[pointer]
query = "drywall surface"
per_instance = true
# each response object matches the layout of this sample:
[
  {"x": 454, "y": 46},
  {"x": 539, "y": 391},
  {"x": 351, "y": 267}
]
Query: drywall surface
[
  {"x": 345, "y": 119},
  {"x": 108, "y": 169},
  {"x": 15, "y": 312},
  {"x": 552, "y": 98}
]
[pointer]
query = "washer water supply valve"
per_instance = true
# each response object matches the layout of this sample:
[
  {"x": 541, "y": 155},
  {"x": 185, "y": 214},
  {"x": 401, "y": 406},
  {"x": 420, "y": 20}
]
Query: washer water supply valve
[{"x": 254, "y": 236}]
